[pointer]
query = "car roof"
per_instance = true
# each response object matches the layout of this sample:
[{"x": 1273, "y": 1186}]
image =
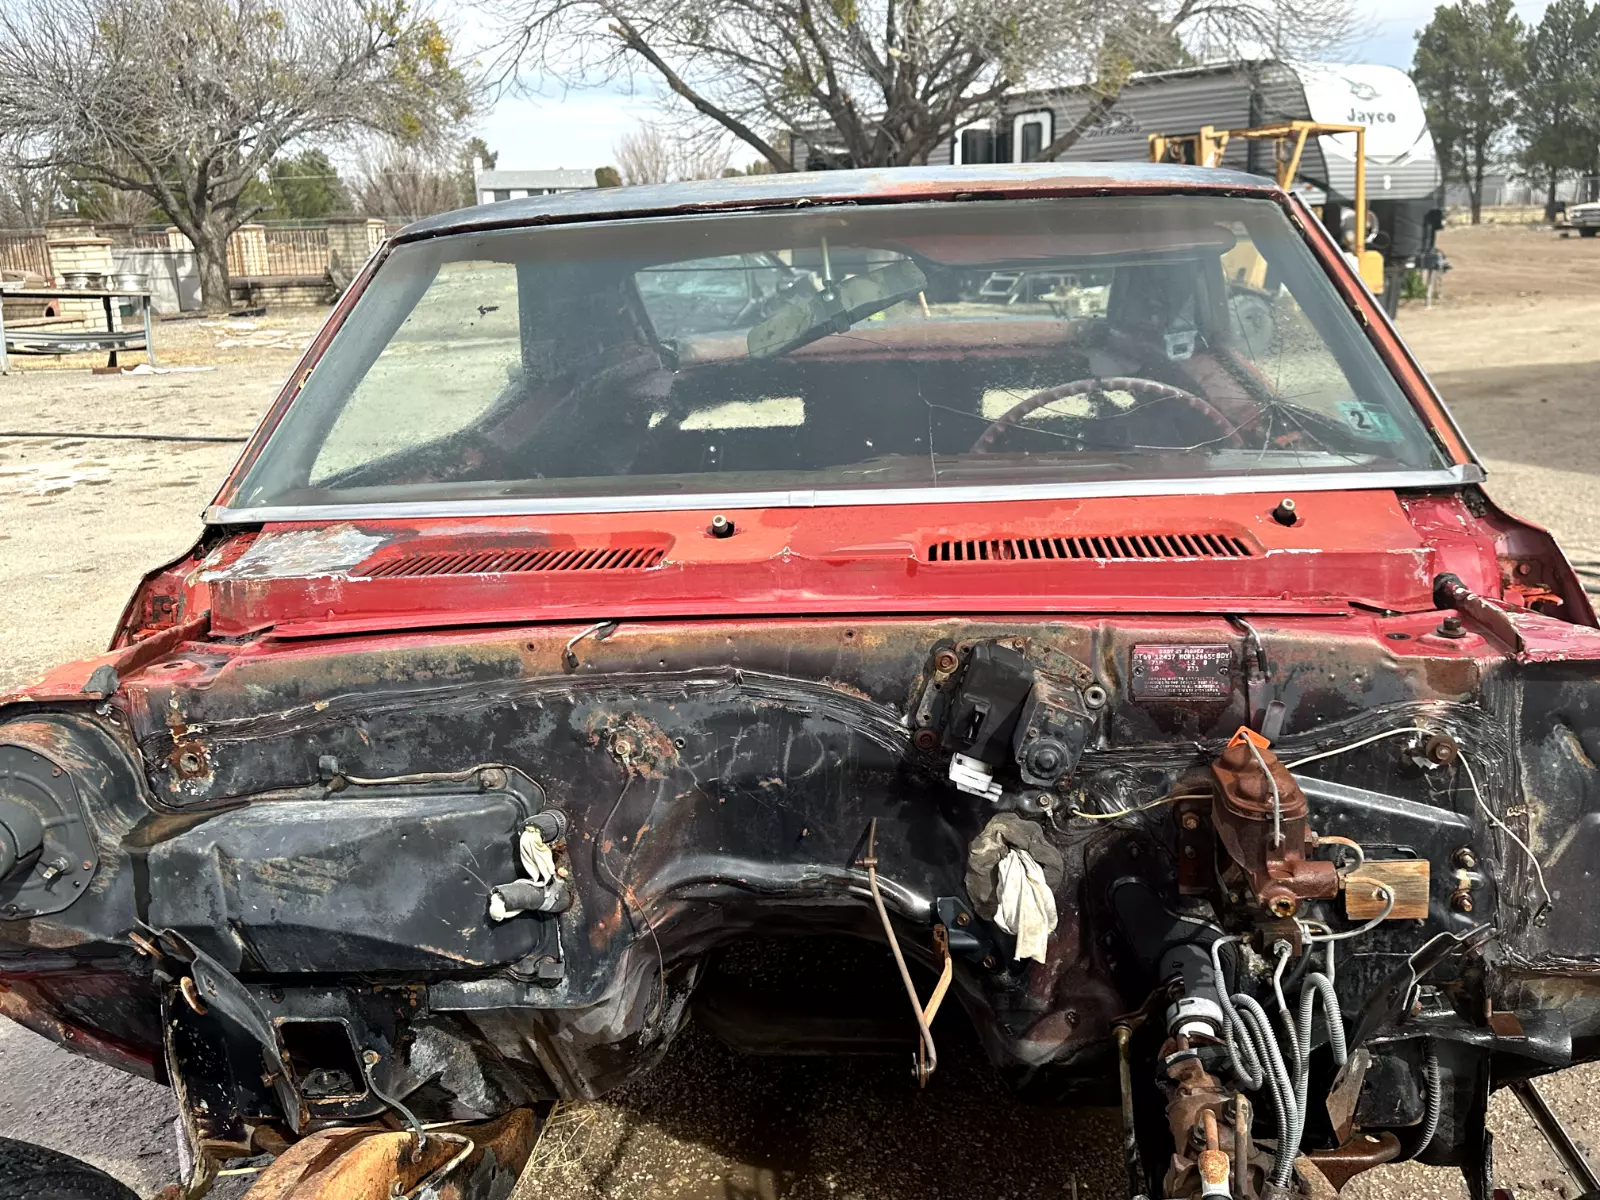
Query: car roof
[{"x": 789, "y": 189}]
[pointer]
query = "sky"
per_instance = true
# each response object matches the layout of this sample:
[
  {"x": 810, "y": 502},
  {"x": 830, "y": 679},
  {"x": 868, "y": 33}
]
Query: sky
[{"x": 580, "y": 128}]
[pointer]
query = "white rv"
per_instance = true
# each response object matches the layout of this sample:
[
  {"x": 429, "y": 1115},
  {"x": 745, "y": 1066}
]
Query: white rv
[{"x": 1403, "y": 178}]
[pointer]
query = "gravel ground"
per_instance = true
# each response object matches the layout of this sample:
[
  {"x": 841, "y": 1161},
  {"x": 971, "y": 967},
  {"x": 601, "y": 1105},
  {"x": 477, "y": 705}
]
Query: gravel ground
[{"x": 1511, "y": 345}]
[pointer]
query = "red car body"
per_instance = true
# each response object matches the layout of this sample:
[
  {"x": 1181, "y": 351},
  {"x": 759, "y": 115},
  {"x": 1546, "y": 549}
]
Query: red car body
[{"x": 310, "y": 657}]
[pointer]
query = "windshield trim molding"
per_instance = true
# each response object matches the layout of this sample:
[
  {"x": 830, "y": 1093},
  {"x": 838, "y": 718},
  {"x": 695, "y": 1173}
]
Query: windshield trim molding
[{"x": 1220, "y": 485}]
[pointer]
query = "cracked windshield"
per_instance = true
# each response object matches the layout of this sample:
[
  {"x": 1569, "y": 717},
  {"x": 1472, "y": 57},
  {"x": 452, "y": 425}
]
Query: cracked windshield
[{"x": 992, "y": 343}]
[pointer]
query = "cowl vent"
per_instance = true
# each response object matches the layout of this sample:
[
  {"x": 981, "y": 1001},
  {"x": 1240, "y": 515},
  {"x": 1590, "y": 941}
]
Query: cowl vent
[
  {"x": 1142, "y": 547},
  {"x": 518, "y": 562}
]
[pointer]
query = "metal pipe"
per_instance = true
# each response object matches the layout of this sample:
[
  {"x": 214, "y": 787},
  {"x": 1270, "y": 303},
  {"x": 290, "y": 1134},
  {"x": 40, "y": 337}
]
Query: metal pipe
[
  {"x": 1556, "y": 1134},
  {"x": 1243, "y": 1143},
  {"x": 1130, "y": 1141},
  {"x": 1361, "y": 197},
  {"x": 928, "y": 1056}
]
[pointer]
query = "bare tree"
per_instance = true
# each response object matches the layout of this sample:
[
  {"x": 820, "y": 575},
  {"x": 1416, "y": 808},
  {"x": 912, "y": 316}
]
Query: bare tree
[
  {"x": 117, "y": 206},
  {"x": 402, "y": 183},
  {"x": 29, "y": 196},
  {"x": 643, "y": 156},
  {"x": 888, "y": 80},
  {"x": 649, "y": 154},
  {"x": 188, "y": 101}
]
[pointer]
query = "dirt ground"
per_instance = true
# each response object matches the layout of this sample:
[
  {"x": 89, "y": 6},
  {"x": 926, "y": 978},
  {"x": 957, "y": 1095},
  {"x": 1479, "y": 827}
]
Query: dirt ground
[{"x": 1513, "y": 344}]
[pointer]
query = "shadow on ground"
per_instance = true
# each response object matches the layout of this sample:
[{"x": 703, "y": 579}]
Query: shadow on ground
[{"x": 718, "y": 1125}]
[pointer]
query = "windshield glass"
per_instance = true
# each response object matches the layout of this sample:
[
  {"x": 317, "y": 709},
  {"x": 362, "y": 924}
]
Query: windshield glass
[{"x": 927, "y": 345}]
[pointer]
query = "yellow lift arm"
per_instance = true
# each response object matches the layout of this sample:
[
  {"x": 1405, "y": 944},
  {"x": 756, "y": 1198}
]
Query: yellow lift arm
[{"x": 1288, "y": 138}]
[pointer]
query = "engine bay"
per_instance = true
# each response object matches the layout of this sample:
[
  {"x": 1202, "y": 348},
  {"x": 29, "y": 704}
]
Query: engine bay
[{"x": 1264, "y": 883}]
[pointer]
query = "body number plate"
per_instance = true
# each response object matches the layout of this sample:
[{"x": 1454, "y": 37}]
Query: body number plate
[{"x": 1182, "y": 672}]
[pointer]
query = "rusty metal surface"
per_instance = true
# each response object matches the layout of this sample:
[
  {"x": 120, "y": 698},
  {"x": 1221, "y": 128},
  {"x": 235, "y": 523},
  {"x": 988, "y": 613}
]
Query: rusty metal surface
[
  {"x": 1263, "y": 823},
  {"x": 886, "y": 185},
  {"x": 1361, "y": 1153},
  {"x": 374, "y": 1163}
]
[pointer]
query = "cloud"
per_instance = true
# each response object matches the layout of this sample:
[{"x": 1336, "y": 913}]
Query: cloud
[{"x": 577, "y": 129}]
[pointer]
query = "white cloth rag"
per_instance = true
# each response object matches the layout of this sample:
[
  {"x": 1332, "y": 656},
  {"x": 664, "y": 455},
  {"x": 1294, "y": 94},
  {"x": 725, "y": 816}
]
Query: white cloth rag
[
  {"x": 538, "y": 860},
  {"x": 1027, "y": 906}
]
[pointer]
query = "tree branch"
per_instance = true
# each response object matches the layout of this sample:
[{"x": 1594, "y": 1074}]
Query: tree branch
[{"x": 632, "y": 39}]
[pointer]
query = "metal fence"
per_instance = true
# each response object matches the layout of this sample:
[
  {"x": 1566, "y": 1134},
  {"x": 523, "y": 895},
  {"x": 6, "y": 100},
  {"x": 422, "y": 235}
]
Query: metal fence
[
  {"x": 297, "y": 251},
  {"x": 24, "y": 250}
]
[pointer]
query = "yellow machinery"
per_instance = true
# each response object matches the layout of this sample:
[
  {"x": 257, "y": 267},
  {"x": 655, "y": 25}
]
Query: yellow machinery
[{"x": 1288, "y": 138}]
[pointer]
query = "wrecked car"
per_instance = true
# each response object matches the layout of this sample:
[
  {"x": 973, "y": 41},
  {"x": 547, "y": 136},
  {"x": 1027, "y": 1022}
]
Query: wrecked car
[{"x": 1060, "y": 579}]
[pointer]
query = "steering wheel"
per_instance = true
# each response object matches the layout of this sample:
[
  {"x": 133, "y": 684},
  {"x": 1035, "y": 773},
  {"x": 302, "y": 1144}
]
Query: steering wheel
[{"x": 1141, "y": 389}]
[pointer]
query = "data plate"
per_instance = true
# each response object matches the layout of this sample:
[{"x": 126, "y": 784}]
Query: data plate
[{"x": 1182, "y": 672}]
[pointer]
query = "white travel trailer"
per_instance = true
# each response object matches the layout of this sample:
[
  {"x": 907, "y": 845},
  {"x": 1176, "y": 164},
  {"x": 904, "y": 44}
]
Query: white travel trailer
[{"x": 1402, "y": 169}]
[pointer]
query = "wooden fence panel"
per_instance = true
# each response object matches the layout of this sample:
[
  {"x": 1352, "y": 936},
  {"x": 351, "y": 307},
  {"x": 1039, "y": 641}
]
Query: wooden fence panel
[{"x": 25, "y": 250}]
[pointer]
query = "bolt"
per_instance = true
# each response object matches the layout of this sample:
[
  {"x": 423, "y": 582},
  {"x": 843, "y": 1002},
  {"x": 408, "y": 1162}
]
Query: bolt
[
  {"x": 963, "y": 919},
  {"x": 1465, "y": 859},
  {"x": 371, "y": 1057},
  {"x": 622, "y": 747},
  {"x": 946, "y": 660},
  {"x": 1071, "y": 1016},
  {"x": 988, "y": 962},
  {"x": 1190, "y": 821},
  {"x": 1188, "y": 852},
  {"x": 926, "y": 739},
  {"x": 1450, "y": 627},
  {"x": 1046, "y": 760},
  {"x": 493, "y": 778},
  {"x": 1462, "y": 901}
]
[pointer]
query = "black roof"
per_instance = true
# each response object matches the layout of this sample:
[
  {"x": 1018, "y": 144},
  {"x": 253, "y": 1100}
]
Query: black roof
[{"x": 888, "y": 184}]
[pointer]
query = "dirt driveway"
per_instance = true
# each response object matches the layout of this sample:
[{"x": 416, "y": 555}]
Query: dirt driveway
[{"x": 1514, "y": 346}]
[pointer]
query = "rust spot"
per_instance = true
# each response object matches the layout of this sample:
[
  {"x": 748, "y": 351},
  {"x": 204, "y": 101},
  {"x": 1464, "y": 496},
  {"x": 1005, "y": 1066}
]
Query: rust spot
[
  {"x": 847, "y": 689},
  {"x": 640, "y": 745},
  {"x": 189, "y": 760},
  {"x": 1453, "y": 676}
]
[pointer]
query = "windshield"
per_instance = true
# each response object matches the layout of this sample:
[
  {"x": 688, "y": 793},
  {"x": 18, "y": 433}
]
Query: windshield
[{"x": 929, "y": 345}]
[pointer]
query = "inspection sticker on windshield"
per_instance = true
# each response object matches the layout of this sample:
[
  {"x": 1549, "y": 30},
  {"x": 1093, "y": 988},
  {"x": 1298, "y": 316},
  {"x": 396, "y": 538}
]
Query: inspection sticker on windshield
[
  {"x": 1169, "y": 672},
  {"x": 1371, "y": 422}
]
